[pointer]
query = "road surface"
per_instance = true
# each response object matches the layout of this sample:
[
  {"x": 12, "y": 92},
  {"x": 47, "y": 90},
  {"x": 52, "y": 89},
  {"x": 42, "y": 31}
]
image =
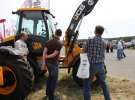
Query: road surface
[{"x": 124, "y": 68}]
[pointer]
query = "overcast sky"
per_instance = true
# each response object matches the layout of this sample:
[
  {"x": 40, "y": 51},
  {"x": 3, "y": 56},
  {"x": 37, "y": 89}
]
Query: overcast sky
[{"x": 117, "y": 16}]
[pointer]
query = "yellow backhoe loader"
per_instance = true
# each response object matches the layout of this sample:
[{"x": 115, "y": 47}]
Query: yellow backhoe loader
[{"x": 15, "y": 74}]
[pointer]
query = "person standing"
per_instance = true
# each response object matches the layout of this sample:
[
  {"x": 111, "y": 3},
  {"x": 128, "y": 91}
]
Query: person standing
[
  {"x": 119, "y": 50},
  {"x": 111, "y": 47},
  {"x": 22, "y": 49},
  {"x": 50, "y": 59},
  {"x": 21, "y": 46},
  {"x": 107, "y": 47},
  {"x": 123, "y": 53},
  {"x": 95, "y": 49}
]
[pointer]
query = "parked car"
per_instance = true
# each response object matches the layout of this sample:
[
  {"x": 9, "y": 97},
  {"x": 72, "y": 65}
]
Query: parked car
[
  {"x": 133, "y": 43},
  {"x": 128, "y": 44}
]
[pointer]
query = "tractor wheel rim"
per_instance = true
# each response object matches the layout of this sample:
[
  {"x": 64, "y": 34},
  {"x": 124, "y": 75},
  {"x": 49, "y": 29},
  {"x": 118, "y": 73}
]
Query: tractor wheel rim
[{"x": 6, "y": 90}]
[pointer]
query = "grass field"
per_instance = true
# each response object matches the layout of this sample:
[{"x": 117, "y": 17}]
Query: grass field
[{"x": 67, "y": 89}]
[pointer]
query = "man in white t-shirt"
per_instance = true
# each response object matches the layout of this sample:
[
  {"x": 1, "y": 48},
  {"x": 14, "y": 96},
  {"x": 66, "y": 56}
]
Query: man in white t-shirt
[{"x": 20, "y": 45}]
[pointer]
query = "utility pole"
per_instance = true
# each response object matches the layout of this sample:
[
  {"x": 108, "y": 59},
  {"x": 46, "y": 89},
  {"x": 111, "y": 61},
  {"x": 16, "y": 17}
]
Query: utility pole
[
  {"x": 49, "y": 4},
  {"x": 3, "y": 22},
  {"x": 4, "y": 29}
]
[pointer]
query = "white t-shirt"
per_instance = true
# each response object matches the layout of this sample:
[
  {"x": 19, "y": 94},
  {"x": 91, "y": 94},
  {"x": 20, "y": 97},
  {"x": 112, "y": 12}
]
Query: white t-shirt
[
  {"x": 21, "y": 48},
  {"x": 119, "y": 46}
]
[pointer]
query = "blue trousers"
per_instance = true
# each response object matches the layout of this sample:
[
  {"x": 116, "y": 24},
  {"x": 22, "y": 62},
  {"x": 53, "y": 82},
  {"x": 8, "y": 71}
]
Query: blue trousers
[
  {"x": 119, "y": 54},
  {"x": 52, "y": 79},
  {"x": 97, "y": 69}
]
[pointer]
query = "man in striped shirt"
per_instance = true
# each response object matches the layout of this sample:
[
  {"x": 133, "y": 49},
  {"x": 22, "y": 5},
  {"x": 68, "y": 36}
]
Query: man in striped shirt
[{"x": 95, "y": 49}]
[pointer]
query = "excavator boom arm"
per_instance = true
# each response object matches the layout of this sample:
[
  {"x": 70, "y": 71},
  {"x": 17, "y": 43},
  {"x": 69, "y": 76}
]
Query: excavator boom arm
[
  {"x": 84, "y": 9},
  {"x": 71, "y": 47}
]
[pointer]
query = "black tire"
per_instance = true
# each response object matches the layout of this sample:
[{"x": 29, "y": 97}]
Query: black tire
[
  {"x": 24, "y": 78},
  {"x": 75, "y": 66}
]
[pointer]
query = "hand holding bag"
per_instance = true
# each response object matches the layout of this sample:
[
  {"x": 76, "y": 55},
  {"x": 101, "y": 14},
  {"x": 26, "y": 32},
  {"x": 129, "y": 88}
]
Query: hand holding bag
[{"x": 84, "y": 67}]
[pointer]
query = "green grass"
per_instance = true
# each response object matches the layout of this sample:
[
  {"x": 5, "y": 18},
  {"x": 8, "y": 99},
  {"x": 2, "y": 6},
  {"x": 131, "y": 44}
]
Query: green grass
[{"x": 67, "y": 89}]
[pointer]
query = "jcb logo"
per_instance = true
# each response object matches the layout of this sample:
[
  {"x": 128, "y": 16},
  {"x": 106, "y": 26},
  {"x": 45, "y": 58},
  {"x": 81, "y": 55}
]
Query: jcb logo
[
  {"x": 79, "y": 11},
  {"x": 90, "y": 2},
  {"x": 36, "y": 45}
]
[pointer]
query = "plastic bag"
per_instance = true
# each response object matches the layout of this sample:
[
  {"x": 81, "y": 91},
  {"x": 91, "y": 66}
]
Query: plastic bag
[{"x": 84, "y": 67}]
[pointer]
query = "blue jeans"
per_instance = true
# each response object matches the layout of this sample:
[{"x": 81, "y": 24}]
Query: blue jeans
[
  {"x": 119, "y": 54},
  {"x": 52, "y": 79},
  {"x": 97, "y": 69}
]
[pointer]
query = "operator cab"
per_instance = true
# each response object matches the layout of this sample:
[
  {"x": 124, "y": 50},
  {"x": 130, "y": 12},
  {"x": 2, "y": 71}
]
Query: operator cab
[
  {"x": 35, "y": 21},
  {"x": 38, "y": 23}
]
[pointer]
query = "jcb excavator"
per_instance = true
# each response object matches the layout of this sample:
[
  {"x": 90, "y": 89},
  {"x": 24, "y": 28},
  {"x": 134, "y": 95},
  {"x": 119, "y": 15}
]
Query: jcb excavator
[{"x": 15, "y": 74}]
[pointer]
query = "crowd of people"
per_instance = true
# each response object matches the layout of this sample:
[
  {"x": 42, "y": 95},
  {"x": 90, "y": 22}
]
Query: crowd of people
[
  {"x": 95, "y": 49},
  {"x": 119, "y": 46}
]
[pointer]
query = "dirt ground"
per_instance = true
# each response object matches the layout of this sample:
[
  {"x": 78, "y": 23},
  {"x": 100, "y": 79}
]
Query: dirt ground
[
  {"x": 68, "y": 90},
  {"x": 122, "y": 85},
  {"x": 124, "y": 68}
]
